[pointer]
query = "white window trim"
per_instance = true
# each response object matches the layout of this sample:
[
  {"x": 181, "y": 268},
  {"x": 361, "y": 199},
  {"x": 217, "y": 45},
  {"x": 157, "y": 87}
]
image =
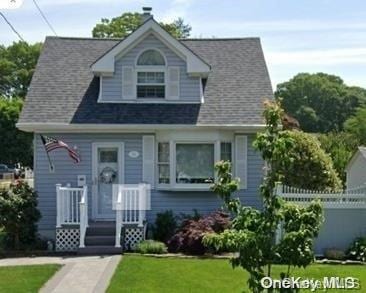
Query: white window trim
[
  {"x": 173, "y": 185},
  {"x": 151, "y": 68},
  {"x": 147, "y": 49},
  {"x": 158, "y": 163}
]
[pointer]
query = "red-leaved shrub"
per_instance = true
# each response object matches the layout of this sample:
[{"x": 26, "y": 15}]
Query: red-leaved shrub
[{"x": 188, "y": 239}]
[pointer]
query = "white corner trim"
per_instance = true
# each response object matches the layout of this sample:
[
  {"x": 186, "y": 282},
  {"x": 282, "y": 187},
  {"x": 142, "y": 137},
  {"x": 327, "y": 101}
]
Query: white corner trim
[
  {"x": 195, "y": 65},
  {"x": 100, "y": 97},
  {"x": 201, "y": 92}
]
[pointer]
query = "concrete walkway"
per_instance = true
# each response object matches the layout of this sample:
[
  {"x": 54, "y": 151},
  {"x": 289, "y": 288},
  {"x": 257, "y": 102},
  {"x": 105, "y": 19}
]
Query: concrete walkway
[{"x": 78, "y": 274}]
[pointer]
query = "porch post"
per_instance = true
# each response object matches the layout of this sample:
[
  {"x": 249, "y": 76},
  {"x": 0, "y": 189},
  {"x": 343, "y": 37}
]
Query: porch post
[
  {"x": 118, "y": 227},
  {"x": 58, "y": 206},
  {"x": 142, "y": 196},
  {"x": 118, "y": 215}
]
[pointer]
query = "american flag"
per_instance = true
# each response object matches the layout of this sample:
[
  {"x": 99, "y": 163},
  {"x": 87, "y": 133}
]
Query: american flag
[{"x": 51, "y": 144}]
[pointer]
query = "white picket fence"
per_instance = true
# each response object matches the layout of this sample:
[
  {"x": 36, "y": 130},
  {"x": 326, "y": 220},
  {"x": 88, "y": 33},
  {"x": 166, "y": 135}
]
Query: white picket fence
[
  {"x": 350, "y": 199},
  {"x": 344, "y": 214}
]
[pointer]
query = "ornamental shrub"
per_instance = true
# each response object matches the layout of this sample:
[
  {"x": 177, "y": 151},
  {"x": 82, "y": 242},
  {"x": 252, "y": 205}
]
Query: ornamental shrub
[
  {"x": 357, "y": 250},
  {"x": 19, "y": 214},
  {"x": 310, "y": 167},
  {"x": 151, "y": 247},
  {"x": 165, "y": 226},
  {"x": 188, "y": 239}
]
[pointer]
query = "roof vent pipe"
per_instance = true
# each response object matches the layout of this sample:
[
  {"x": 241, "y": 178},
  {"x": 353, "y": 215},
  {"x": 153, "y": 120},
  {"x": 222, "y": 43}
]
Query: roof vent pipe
[{"x": 146, "y": 13}]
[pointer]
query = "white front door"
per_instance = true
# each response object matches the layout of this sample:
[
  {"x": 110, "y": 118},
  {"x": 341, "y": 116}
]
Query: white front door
[{"x": 107, "y": 170}]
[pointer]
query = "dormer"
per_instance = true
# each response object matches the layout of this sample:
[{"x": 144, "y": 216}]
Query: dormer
[{"x": 150, "y": 66}]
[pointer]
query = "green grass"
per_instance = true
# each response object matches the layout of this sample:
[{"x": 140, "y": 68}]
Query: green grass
[
  {"x": 25, "y": 278},
  {"x": 150, "y": 274}
]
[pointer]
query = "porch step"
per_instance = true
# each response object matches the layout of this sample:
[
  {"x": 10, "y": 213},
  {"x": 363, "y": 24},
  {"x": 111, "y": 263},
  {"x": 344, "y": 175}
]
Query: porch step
[
  {"x": 99, "y": 240},
  {"x": 99, "y": 250},
  {"x": 101, "y": 229}
]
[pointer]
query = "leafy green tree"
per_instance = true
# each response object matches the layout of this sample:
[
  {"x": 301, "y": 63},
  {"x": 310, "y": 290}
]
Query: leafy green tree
[
  {"x": 309, "y": 160},
  {"x": 320, "y": 102},
  {"x": 17, "y": 64},
  {"x": 15, "y": 146},
  {"x": 252, "y": 233},
  {"x": 357, "y": 125},
  {"x": 340, "y": 146},
  {"x": 121, "y": 26}
]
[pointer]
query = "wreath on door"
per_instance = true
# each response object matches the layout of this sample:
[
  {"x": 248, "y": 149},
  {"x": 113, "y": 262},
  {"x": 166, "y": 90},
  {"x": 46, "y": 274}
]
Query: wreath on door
[{"x": 108, "y": 175}]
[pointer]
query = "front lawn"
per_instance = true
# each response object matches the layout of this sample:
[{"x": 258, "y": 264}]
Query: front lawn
[
  {"x": 150, "y": 274},
  {"x": 25, "y": 278}
]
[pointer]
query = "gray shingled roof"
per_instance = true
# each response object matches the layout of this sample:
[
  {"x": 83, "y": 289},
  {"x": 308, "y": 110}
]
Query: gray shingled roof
[{"x": 64, "y": 90}]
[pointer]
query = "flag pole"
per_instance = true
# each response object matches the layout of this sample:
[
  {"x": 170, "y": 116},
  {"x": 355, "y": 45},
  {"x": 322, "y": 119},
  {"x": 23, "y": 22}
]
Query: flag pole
[{"x": 48, "y": 155}]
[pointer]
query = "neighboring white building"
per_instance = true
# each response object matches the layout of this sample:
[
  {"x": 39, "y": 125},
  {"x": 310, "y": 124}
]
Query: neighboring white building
[{"x": 356, "y": 169}]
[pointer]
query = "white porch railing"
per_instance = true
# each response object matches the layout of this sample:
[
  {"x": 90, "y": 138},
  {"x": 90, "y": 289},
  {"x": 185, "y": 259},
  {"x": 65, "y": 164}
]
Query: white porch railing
[
  {"x": 72, "y": 208},
  {"x": 130, "y": 202},
  {"x": 350, "y": 199}
]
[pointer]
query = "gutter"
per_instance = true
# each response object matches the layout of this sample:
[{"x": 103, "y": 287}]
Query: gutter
[{"x": 117, "y": 128}]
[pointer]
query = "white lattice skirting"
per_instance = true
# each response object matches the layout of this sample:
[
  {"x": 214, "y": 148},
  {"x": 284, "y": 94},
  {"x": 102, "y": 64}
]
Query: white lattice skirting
[
  {"x": 67, "y": 239},
  {"x": 133, "y": 236}
]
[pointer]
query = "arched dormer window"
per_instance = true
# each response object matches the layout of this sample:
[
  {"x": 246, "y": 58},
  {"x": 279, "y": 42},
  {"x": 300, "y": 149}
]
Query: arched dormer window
[
  {"x": 151, "y": 57},
  {"x": 150, "y": 68}
]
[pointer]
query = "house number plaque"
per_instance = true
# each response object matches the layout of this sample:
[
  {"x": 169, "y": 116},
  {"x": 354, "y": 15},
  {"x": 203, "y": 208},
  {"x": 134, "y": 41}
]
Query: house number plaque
[{"x": 133, "y": 154}]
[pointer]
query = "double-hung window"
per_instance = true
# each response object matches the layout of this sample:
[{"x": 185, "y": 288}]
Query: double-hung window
[
  {"x": 163, "y": 163},
  {"x": 226, "y": 151},
  {"x": 151, "y": 68}
]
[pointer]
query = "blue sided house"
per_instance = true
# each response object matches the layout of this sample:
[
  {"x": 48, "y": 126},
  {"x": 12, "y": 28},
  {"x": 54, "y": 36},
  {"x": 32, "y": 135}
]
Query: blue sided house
[{"x": 148, "y": 116}]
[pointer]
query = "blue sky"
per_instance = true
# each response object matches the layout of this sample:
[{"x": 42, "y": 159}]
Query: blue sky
[{"x": 297, "y": 36}]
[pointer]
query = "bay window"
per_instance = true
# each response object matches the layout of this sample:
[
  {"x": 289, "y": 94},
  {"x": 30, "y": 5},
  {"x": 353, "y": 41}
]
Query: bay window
[{"x": 183, "y": 164}]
